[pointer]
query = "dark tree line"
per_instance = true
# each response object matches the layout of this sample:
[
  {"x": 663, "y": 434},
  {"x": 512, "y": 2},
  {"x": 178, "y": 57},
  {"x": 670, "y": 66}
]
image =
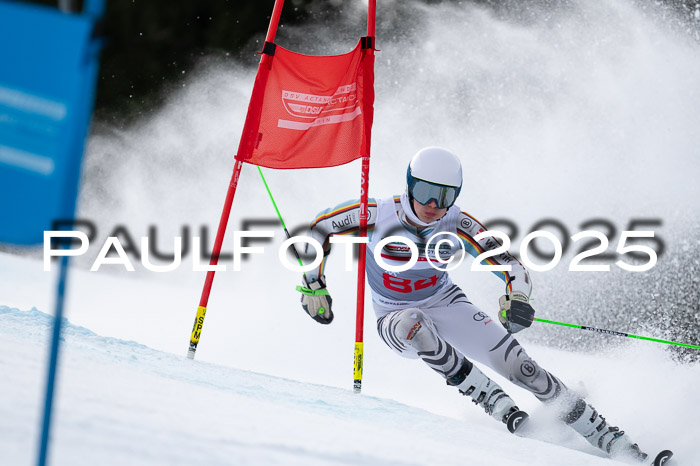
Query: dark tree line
[{"x": 149, "y": 43}]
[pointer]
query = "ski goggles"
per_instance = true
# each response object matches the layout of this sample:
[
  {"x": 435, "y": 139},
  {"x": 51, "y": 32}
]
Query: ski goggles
[{"x": 424, "y": 192}]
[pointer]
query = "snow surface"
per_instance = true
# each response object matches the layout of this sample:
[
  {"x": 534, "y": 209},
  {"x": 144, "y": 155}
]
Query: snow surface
[
  {"x": 585, "y": 111},
  {"x": 124, "y": 403},
  {"x": 120, "y": 402}
]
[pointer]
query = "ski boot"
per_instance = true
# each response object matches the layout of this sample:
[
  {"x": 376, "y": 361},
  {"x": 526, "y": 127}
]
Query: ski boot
[
  {"x": 585, "y": 420},
  {"x": 470, "y": 381}
]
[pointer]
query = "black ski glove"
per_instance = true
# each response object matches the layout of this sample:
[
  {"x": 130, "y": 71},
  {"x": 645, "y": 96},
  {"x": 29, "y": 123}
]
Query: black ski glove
[
  {"x": 516, "y": 313},
  {"x": 316, "y": 301}
]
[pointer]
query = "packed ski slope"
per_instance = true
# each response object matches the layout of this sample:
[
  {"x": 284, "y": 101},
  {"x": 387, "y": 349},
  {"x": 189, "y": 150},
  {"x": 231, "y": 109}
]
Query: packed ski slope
[
  {"x": 123, "y": 403},
  {"x": 120, "y": 402}
]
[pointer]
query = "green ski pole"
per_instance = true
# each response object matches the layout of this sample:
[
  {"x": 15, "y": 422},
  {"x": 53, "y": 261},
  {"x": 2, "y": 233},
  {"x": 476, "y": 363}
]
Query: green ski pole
[
  {"x": 279, "y": 215},
  {"x": 302, "y": 289},
  {"x": 618, "y": 334}
]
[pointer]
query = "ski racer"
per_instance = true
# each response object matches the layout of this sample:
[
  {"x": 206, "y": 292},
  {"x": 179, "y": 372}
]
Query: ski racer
[{"x": 422, "y": 314}]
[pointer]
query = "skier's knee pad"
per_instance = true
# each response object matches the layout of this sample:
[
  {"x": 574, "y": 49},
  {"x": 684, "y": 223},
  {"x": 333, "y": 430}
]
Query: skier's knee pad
[{"x": 409, "y": 332}]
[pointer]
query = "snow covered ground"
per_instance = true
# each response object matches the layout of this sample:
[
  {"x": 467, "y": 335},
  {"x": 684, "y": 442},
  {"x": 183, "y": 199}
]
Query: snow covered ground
[
  {"x": 588, "y": 112},
  {"x": 123, "y": 403},
  {"x": 120, "y": 402}
]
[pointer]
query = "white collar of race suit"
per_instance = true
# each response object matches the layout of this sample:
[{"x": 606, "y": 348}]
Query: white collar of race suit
[{"x": 409, "y": 217}]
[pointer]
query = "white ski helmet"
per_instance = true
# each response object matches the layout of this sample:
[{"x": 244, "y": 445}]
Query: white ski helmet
[{"x": 434, "y": 174}]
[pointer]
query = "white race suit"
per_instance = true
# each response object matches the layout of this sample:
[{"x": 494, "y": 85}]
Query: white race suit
[{"x": 420, "y": 312}]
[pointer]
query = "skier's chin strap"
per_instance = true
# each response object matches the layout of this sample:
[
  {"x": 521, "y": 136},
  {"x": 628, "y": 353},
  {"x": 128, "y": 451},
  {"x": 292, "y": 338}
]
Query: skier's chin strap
[{"x": 409, "y": 218}]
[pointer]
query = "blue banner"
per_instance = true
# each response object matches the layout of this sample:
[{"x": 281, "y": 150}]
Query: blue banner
[{"x": 49, "y": 63}]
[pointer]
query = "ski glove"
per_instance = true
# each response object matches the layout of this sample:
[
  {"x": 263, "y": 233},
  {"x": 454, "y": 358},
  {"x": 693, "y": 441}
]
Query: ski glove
[
  {"x": 316, "y": 301},
  {"x": 516, "y": 313}
]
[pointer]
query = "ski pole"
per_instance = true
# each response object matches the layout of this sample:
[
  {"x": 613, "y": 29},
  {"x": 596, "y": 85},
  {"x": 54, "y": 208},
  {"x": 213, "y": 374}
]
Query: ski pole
[
  {"x": 301, "y": 289},
  {"x": 286, "y": 232},
  {"x": 618, "y": 334}
]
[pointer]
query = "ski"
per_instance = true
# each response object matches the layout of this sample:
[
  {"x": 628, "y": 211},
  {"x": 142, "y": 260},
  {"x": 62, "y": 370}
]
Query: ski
[
  {"x": 516, "y": 420},
  {"x": 662, "y": 458}
]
